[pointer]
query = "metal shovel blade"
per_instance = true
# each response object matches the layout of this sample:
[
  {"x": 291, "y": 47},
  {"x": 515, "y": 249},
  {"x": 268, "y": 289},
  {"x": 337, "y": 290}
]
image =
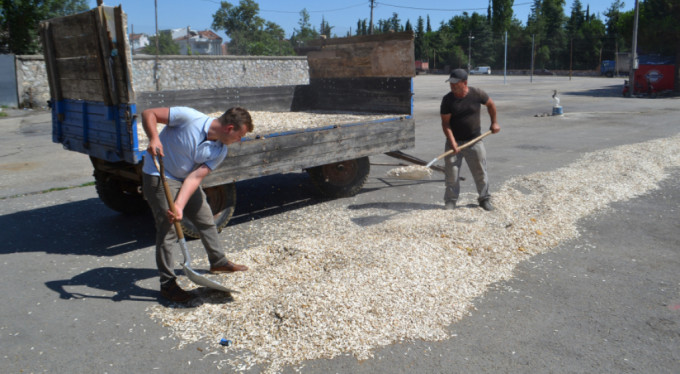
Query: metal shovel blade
[
  {"x": 203, "y": 281},
  {"x": 198, "y": 278}
]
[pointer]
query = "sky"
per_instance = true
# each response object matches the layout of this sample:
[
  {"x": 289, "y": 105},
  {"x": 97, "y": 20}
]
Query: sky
[{"x": 341, "y": 15}]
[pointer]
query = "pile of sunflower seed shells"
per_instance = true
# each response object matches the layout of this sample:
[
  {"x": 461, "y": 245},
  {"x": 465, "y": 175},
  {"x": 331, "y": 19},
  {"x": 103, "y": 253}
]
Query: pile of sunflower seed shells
[
  {"x": 265, "y": 122},
  {"x": 323, "y": 290}
]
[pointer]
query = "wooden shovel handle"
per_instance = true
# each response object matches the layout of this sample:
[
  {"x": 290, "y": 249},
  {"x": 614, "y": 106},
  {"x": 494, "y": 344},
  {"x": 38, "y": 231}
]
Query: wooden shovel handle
[
  {"x": 168, "y": 195},
  {"x": 471, "y": 142}
]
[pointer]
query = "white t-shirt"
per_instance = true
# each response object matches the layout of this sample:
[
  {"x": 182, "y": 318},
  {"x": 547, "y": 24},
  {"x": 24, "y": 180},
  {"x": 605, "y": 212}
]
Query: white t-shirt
[{"x": 185, "y": 145}]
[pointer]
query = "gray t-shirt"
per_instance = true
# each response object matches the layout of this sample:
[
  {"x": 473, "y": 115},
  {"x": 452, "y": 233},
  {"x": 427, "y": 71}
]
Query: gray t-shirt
[
  {"x": 185, "y": 145},
  {"x": 465, "y": 113}
]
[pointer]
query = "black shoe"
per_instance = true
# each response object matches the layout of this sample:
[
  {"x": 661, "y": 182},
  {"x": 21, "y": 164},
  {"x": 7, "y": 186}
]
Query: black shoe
[
  {"x": 486, "y": 205},
  {"x": 173, "y": 292},
  {"x": 450, "y": 205}
]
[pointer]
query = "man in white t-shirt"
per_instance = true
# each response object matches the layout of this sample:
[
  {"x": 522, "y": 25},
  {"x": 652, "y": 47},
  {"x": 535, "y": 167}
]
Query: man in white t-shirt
[{"x": 192, "y": 144}]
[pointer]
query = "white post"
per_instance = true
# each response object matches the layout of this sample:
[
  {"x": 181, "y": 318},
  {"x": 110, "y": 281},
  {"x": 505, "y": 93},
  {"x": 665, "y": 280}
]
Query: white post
[{"x": 505, "y": 63}]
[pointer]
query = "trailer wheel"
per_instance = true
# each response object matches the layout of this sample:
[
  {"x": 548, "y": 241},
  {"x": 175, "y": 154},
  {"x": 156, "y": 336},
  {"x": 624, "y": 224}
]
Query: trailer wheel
[
  {"x": 341, "y": 179},
  {"x": 222, "y": 201},
  {"x": 119, "y": 194}
]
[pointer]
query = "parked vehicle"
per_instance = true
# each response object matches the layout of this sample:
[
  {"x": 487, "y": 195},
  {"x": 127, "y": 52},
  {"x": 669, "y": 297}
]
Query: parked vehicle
[
  {"x": 422, "y": 66},
  {"x": 608, "y": 68},
  {"x": 95, "y": 111},
  {"x": 619, "y": 66},
  {"x": 481, "y": 70}
]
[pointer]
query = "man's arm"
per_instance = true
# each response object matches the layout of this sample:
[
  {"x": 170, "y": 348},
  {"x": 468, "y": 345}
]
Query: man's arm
[
  {"x": 189, "y": 186},
  {"x": 446, "y": 119},
  {"x": 491, "y": 108},
  {"x": 150, "y": 118}
]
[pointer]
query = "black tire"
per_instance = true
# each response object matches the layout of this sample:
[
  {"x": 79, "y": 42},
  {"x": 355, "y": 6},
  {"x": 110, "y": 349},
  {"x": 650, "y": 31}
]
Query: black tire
[
  {"x": 119, "y": 194},
  {"x": 609, "y": 74},
  {"x": 341, "y": 179},
  {"x": 222, "y": 201}
]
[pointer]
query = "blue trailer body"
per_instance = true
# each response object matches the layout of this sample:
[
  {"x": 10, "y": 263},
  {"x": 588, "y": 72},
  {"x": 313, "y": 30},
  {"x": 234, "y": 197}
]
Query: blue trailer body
[{"x": 105, "y": 132}]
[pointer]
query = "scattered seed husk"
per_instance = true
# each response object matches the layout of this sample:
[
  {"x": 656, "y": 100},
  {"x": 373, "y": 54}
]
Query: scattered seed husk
[
  {"x": 411, "y": 172},
  {"x": 266, "y": 122},
  {"x": 323, "y": 290}
]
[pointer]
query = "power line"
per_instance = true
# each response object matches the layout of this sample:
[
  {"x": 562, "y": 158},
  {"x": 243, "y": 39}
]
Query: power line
[
  {"x": 296, "y": 12},
  {"x": 314, "y": 11},
  {"x": 443, "y": 10}
]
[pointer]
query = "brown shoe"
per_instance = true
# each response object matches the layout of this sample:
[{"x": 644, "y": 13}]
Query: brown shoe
[
  {"x": 230, "y": 267},
  {"x": 173, "y": 292}
]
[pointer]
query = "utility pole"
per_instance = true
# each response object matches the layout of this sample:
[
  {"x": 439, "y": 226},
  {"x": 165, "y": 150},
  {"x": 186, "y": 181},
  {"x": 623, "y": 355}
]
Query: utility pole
[
  {"x": 531, "y": 78},
  {"x": 505, "y": 60},
  {"x": 156, "y": 67},
  {"x": 470, "y": 37},
  {"x": 571, "y": 57},
  {"x": 370, "y": 26},
  {"x": 633, "y": 61}
]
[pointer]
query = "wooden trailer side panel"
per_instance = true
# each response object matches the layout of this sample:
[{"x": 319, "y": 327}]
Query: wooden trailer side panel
[
  {"x": 296, "y": 151},
  {"x": 383, "y": 55},
  {"x": 87, "y": 56},
  {"x": 274, "y": 99}
]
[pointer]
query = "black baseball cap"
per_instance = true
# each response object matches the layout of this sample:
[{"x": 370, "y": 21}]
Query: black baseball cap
[{"x": 457, "y": 75}]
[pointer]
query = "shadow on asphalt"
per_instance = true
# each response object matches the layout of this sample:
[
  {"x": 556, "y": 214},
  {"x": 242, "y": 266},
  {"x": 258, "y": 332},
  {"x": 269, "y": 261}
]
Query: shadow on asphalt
[
  {"x": 272, "y": 195},
  {"x": 121, "y": 281},
  {"x": 88, "y": 227},
  {"x": 397, "y": 208},
  {"x": 84, "y": 227},
  {"x": 608, "y": 91}
]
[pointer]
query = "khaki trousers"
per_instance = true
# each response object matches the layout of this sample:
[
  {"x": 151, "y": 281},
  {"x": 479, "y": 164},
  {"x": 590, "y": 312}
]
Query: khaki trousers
[{"x": 197, "y": 211}]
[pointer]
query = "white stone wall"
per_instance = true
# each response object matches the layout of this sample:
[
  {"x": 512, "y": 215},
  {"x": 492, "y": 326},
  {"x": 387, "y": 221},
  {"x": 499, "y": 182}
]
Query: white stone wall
[{"x": 178, "y": 73}]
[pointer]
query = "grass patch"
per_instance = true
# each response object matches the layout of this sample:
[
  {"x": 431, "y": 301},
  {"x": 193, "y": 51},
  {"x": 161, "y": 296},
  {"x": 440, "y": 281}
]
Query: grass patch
[{"x": 48, "y": 191}]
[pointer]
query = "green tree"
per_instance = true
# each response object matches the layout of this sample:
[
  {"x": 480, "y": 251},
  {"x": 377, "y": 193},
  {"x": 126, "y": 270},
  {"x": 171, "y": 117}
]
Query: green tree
[
  {"x": 362, "y": 27},
  {"x": 519, "y": 47},
  {"x": 546, "y": 23},
  {"x": 614, "y": 41},
  {"x": 659, "y": 27},
  {"x": 305, "y": 32},
  {"x": 248, "y": 33},
  {"x": 588, "y": 49},
  {"x": 166, "y": 46},
  {"x": 20, "y": 22},
  {"x": 325, "y": 28},
  {"x": 419, "y": 41},
  {"x": 501, "y": 15},
  {"x": 270, "y": 42},
  {"x": 576, "y": 20},
  {"x": 392, "y": 24}
]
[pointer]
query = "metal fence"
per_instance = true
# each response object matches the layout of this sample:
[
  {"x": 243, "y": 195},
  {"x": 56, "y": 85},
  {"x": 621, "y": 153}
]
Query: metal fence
[{"x": 8, "y": 81}]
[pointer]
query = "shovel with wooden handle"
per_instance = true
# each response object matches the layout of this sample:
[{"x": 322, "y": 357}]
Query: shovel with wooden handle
[
  {"x": 471, "y": 142},
  {"x": 190, "y": 273}
]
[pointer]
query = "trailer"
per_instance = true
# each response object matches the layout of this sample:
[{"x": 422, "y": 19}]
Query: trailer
[{"x": 96, "y": 111}]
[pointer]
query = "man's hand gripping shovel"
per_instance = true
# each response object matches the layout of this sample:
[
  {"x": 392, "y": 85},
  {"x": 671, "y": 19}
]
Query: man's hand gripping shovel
[{"x": 190, "y": 273}]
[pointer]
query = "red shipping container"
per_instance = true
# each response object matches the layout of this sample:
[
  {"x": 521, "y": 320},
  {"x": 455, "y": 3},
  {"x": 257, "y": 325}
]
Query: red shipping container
[{"x": 659, "y": 77}]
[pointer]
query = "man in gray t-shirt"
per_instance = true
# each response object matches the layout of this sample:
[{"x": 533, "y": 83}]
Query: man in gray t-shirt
[
  {"x": 192, "y": 145},
  {"x": 461, "y": 122}
]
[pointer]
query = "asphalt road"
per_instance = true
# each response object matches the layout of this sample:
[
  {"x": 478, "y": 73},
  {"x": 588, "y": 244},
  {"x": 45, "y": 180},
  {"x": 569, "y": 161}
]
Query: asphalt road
[{"x": 78, "y": 277}]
